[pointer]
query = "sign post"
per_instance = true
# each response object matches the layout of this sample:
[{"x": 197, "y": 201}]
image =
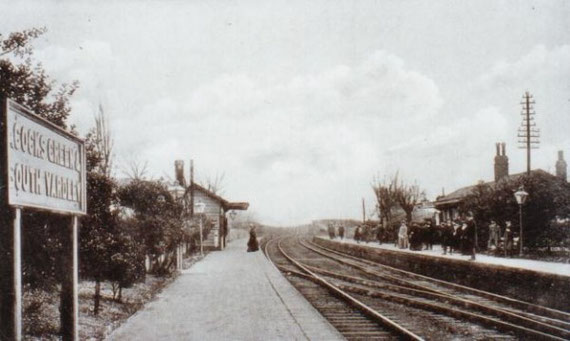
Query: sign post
[
  {"x": 17, "y": 259},
  {"x": 69, "y": 287},
  {"x": 43, "y": 168}
]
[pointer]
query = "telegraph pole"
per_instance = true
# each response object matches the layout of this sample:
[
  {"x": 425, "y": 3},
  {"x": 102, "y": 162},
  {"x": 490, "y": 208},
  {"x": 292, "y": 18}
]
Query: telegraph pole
[{"x": 528, "y": 134}]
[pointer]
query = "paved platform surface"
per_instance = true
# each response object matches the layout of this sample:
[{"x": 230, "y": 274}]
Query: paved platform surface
[
  {"x": 534, "y": 265},
  {"x": 229, "y": 295}
]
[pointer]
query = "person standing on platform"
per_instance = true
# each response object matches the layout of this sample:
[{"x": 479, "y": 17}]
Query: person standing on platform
[
  {"x": 430, "y": 235},
  {"x": 470, "y": 231},
  {"x": 455, "y": 241},
  {"x": 252, "y": 244},
  {"x": 341, "y": 232},
  {"x": 379, "y": 233},
  {"x": 403, "y": 236},
  {"x": 367, "y": 232},
  {"x": 447, "y": 237},
  {"x": 493, "y": 242},
  {"x": 509, "y": 240},
  {"x": 331, "y": 230},
  {"x": 357, "y": 234}
]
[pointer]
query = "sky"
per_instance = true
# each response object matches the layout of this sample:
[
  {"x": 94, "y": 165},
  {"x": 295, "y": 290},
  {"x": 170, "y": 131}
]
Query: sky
[{"x": 300, "y": 105}]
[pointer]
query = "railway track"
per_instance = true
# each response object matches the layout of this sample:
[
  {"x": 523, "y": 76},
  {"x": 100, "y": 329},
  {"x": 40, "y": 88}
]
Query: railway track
[
  {"x": 349, "y": 316},
  {"x": 436, "y": 309}
]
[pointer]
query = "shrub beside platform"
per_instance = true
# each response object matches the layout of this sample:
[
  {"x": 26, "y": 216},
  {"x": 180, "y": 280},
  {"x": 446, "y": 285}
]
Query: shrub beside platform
[{"x": 546, "y": 289}]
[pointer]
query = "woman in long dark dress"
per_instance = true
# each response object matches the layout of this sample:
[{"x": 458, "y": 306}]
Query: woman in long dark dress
[{"x": 252, "y": 244}]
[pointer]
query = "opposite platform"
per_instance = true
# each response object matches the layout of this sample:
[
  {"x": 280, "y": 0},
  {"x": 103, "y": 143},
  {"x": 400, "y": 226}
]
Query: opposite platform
[
  {"x": 562, "y": 269},
  {"x": 532, "y": 281},
  {"x": 229, "y": 295}
]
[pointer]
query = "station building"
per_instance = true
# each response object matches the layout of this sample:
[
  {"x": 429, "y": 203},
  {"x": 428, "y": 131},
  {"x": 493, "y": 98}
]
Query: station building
[
  {"x": 449, "y": 204},
  {"x": 215, "y": 208}
]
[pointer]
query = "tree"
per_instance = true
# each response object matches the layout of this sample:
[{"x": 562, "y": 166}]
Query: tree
[
  {"x": 158, "y": 220},
  {"x": 27, "y": 83},
  {"x": 98, "y": 231},
  {"x": 386, "y": 196},
  {"x": 136, "y": 170},
  {"x": 549, "y": 198},
  {"x": 408, "y": 196},
  {"x": 126, "y": 265},
  {"x": 214, "y": 184},
  {"x": 108, "y": 250},
  {"x": 101, "y": 223},
  {"x": 104, "y": 143}
]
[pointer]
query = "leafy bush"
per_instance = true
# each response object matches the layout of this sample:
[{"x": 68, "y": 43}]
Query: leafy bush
[{"x": 41, "y": 316}]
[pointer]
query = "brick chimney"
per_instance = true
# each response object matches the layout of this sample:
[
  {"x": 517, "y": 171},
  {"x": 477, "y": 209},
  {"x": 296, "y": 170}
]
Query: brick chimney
[
  {"x": 179, "y": 172},
  {"x": 501, "y": 162},
  {"x": 561, "y": 166}
]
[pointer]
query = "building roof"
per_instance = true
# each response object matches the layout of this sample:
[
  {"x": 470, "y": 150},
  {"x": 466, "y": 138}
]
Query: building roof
[
  {"x": 459, "y": 194},
  {"x": 227, "y": 205}
]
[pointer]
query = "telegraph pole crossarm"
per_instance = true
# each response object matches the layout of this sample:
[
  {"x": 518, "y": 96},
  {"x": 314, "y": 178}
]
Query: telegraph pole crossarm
[{"x": 528, "y": 136}]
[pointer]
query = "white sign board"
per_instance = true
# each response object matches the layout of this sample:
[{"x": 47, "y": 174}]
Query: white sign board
[{"x": 46, "y": 164}]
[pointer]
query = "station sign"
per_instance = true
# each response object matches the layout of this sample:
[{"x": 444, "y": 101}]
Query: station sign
[{"x": 45, "y": 164}]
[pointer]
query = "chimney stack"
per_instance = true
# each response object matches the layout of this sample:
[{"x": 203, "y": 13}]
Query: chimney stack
[
  {"x": 501, "y": 162},
  {"x": 561, "y": 166},
  {"x": 179, "y": 172}
]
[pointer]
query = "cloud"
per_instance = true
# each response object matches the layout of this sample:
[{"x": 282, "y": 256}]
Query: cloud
[
  {"x": 273, "y": 137},
  {"x": 322, "y": 119},
  {"x": 285, "y": 143},
  {"x": 94, "y": 64},
  {"x": 544, "y": 72},
  {"x": 319, "y": 131},
  {"x": 540, "y": 63},
  {"x": 329, "y": 131}
]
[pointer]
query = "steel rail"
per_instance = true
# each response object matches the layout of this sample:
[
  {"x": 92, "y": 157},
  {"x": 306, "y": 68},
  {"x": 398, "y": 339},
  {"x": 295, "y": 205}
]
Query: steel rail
[
  {"x": 540, "y": 327},
  {"x": 426, "y": 305},
  {"x": 529, "y": 307},
  {"x": 383, "y": 320}
]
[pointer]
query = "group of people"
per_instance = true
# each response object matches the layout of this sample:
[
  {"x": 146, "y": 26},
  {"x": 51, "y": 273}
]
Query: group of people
[
  {"x": 332, "y": 231},
  {"x": 458, "y": 235},
  {"x": 506, "y": 242},
  {"x": 418, "y": 236},
  {"x": 363, "y": 233}
]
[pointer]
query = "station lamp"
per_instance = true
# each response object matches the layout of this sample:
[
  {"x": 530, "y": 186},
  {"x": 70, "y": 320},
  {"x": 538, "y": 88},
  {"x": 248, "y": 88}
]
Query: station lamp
[{"x": 521, "y": 195}]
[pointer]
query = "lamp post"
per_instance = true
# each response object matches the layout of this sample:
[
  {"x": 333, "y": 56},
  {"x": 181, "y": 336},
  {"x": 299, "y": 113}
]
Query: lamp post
[
  {"x": 199, "y": 208},
  {"x": 521, "y": 196}
]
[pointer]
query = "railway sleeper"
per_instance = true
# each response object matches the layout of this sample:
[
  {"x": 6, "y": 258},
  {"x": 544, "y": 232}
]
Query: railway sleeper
[
  {"x": 456, "y": 313},
  {"x": 556, "y": 327},
  {"x": 526, "y": 306}
]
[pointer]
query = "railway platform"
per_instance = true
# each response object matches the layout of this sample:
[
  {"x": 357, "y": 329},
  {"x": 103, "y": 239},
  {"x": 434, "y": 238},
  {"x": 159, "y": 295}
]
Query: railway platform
[
  {"x": 561, "y": 269},
  {"x": 229, "y": 295}
]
